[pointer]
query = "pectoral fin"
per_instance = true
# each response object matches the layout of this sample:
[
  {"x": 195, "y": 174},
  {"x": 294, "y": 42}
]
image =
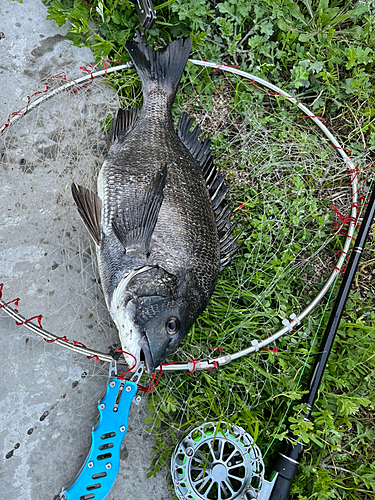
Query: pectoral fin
[
  {"x": 136, "y": 221},
  {"x": 89, "y": 208}
]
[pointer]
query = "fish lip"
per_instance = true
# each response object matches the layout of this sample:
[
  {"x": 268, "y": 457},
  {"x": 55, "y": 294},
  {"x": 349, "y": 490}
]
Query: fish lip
[{"x": 149, "y": 362}]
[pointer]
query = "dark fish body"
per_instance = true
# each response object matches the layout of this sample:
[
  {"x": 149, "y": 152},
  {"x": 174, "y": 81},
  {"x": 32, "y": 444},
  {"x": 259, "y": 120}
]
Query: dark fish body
[{"x": 158, "y": 225}]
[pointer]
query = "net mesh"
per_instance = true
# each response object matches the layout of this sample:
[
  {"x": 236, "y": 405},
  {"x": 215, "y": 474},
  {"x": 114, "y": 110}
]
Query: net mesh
[{"x": 284, "y": 177}]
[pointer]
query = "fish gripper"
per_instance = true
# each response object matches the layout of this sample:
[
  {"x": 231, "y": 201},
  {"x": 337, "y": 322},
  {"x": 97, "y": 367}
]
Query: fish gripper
[{"x": 98, "y": 473}]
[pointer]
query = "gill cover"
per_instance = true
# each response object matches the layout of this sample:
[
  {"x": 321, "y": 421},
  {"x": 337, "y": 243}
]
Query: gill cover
[{"x": 166, "y": 307}]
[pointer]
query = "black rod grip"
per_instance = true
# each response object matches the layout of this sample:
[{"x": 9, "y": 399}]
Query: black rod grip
[
  {"x": 286, "y": 467},
  {"x": 282, "y": 487}
]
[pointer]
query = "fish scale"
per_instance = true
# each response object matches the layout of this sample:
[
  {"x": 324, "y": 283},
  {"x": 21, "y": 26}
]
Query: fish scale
[{"x": 186, "y": 226}]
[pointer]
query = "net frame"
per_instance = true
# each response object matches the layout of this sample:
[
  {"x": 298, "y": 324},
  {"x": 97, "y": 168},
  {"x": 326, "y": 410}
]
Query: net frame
[{"x": 288, "y": 324}]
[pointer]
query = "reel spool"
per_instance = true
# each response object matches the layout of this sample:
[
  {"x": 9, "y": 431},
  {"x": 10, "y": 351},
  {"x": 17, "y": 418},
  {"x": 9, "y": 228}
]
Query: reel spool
[{"x": 218, "y": 462}]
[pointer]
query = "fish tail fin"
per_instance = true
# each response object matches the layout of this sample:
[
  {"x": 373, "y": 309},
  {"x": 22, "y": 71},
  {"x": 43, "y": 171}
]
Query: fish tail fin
[{"x": 159, "y": 69}]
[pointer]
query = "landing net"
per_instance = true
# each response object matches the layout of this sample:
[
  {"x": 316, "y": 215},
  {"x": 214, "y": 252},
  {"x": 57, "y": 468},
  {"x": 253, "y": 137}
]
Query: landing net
[{"x": 294, "y": 191}]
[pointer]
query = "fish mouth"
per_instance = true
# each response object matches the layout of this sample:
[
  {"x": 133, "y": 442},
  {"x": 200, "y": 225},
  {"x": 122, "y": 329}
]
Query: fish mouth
[{"x": 145, "y": 355}]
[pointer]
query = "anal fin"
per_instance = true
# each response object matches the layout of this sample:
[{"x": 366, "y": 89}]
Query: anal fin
[
  {"x": 89, "y": 207},
  {"x": 135, "y": 222}
]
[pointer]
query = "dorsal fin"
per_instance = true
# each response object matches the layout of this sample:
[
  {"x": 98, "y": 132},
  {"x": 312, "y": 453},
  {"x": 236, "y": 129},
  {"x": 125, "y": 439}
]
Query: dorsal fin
[
  {"x": 199, "y": 148},
  {"x": 122, "y": 123}
]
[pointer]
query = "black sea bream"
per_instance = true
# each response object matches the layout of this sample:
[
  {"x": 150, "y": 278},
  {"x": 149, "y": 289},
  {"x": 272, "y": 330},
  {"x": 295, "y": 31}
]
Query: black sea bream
[{"x": 160, "y": 222}]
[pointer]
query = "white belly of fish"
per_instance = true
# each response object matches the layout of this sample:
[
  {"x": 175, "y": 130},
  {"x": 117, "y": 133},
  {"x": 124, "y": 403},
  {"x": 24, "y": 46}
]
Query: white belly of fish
[{"x": 122, "y": 310}]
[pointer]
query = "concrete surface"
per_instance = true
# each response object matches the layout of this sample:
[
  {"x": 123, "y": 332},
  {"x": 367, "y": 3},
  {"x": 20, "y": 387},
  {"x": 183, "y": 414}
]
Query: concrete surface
[{"x": 48, "y": 395}]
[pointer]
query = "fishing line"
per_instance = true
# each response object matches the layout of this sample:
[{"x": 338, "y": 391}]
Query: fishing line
[
  {"x": 217, "y": 462},
  {"x": 290, "y": 403}
]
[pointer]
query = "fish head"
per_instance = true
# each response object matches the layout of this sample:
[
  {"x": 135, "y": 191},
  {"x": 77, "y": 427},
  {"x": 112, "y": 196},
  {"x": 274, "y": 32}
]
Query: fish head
[
  {"x": 163, "y": 327},
  {"x": 153, "y": 314}
]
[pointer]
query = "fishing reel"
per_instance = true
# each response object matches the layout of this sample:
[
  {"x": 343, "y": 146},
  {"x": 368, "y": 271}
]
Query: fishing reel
[{"x": 219, "y": 462}]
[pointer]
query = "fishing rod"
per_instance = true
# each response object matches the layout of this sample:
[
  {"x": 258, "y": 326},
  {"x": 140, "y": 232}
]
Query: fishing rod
[
  {"x": 220, "y": 461},
  {"x": 291, "y": 447}
]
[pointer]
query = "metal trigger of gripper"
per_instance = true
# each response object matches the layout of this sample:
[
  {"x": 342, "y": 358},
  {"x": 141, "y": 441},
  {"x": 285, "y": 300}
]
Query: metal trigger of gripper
[{"x": 98, "y": 473}]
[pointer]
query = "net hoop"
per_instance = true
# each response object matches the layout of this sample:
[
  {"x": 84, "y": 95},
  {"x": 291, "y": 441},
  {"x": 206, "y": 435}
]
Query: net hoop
[{"x": 289, "y": 324}]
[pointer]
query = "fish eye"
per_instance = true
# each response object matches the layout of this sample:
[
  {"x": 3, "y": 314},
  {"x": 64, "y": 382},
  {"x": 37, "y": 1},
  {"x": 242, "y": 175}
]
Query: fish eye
[{"x": 172, "y": 325}]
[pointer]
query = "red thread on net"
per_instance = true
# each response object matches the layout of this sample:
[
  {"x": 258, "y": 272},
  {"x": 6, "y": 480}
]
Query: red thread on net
[
  {"x": 153, "y": 383},
  {"x": 368, "y": 167},
  {"x": 273, "y": 93},
  {"x": 216, "y": 366},
  {"x": 262, "y": 90},
  {"x": 15, "y": 113},
  {"x": 354, "y": 171},
  {"x": 341, "y": 271},
  {"x": 194, "y": 361},
  {"x": 61, "y": 75},
  {"x": 19, "y": 113},
  {"x": 360, "y": 186},
  {"x": 220, "y": 349},
  {"x": 109, "y": 61},
  {"x": 121, "y": 376},
  {"x": 342, "y": 147},
  {"x": 171, "y": 363},
  {"x": 82, "y": 68},
  {"x": 339, "y": 252},
  {"x": 315, "y": 116},
  {"x": 223, "y": 65},
  {"x": 50, "y": 341},
  {"x": 344, "y": 221},
  {"x": 94, "y": 356},
  {"x": 75, "y": 342},
  {"x": 274, "y": 350},
  {"x": 14, "y": 301},
  {"x": 358, "y": 190},
  {"x": 38, "y": 318},
  {"x": 363, "y": 200},
  {"x": 339, "y": 228}
]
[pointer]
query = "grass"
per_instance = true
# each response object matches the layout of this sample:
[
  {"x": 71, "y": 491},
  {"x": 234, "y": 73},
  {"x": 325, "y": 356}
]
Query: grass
[{"x": 285, "y": 176}]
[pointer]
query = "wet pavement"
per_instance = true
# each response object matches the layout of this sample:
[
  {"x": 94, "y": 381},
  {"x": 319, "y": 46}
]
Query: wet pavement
[{"x": 48, "y": 395}]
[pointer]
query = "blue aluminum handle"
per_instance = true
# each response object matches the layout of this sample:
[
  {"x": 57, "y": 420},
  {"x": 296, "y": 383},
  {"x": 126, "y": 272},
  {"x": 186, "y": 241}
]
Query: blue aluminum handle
[{"x": 98, "y": 473}]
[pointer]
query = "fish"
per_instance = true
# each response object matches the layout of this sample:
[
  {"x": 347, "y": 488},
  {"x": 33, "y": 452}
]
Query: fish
[{"x": 160, "y": 220}]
